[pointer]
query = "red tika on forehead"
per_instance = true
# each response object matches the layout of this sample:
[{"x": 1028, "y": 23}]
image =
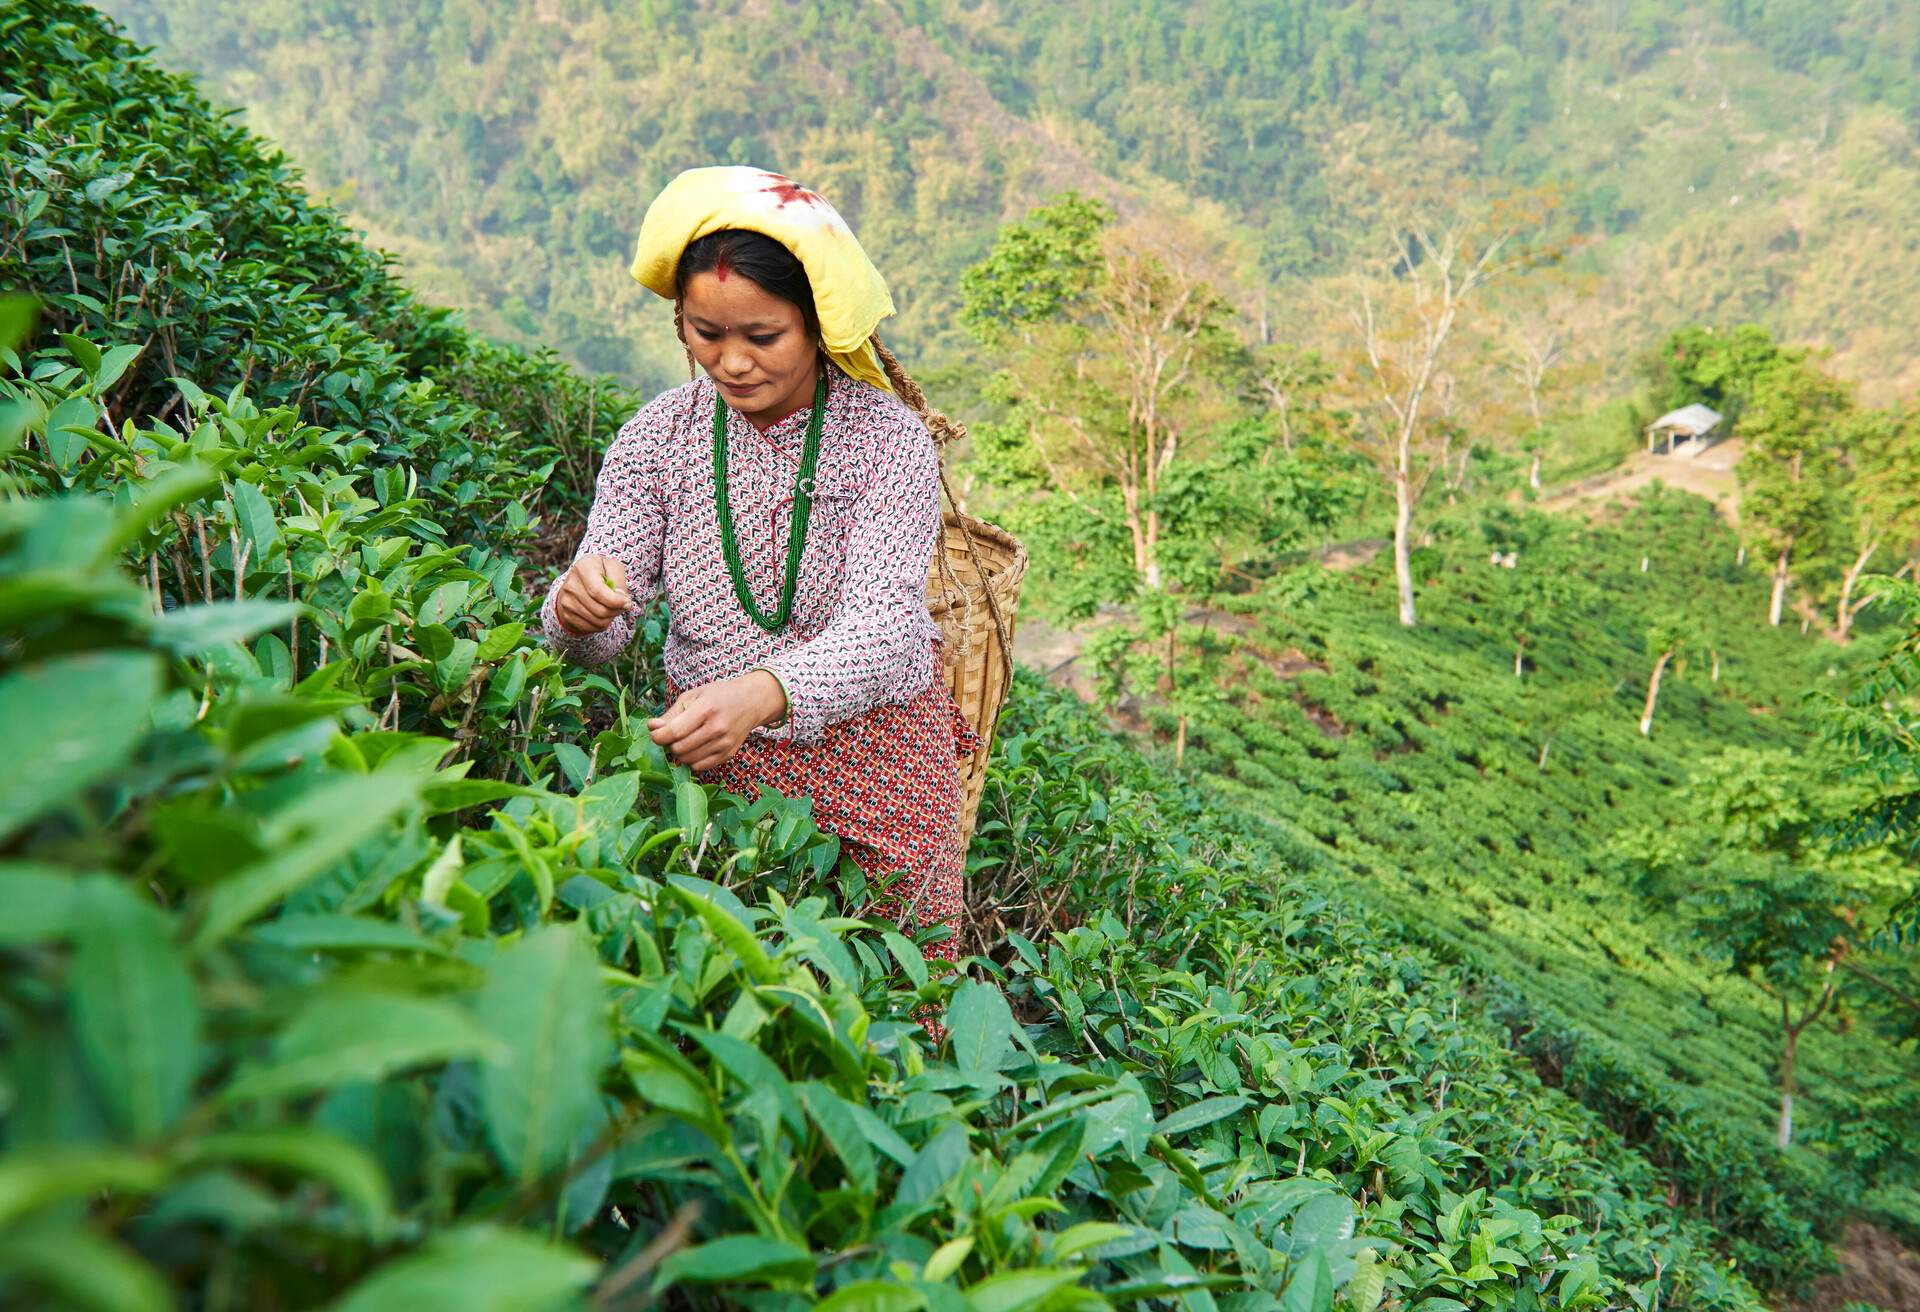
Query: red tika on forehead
[{"x": 789, "y": 190}]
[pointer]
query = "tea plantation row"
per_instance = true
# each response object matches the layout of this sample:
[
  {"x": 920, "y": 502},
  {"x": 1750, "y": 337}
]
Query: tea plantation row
[{"x": 1486, "y": 812}]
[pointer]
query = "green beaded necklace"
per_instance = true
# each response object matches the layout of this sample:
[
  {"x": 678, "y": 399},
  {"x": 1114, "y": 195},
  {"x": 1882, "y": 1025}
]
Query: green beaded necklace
[{"x": 802, "y": 508}]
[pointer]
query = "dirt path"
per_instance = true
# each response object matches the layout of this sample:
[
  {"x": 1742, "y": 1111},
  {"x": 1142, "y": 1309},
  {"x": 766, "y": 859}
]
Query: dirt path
[
  {"x": 1708, "y": 474},
  {"x": 1875, "y": 1269}
]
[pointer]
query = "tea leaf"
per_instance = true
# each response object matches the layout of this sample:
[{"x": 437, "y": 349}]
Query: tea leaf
[
  {"x": 735, "y": 1259},
  {"x": 475, "y": 1269},
  {"x": 542, "y": 1001},
  {"x": 347, "y": 1036},
  {"x": 1195, "y": 1115},
  {"x": 981, "y": 1026},
  {"x": 83, "y": 714},
  {"x": 32, "y": 1178},
  {"x": 85, "y": 1270},
  {"x": 134, "y": 1008},
  {"x": 345, "y": 1166},
  {"x": 41, "y": 903},
  {"x": 933, "y": 1166},
  {"x": 872, "y": 1296}
]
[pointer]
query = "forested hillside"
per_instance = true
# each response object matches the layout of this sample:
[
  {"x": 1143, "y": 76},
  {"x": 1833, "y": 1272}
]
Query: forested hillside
[
  {"x": 1718, "y": 161},
  {"x": 1474, "y": 910}
]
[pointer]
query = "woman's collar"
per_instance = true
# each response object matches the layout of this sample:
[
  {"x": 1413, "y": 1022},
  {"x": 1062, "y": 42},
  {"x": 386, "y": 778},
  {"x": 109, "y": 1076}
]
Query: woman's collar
[{"x": 795, "y": 425}]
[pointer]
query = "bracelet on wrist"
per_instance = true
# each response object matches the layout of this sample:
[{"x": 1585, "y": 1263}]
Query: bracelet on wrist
[{"x": 786, "y": 712}]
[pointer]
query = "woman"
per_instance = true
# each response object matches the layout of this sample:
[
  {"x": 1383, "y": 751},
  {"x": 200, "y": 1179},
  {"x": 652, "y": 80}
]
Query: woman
[{"x": 787, "y": 501}]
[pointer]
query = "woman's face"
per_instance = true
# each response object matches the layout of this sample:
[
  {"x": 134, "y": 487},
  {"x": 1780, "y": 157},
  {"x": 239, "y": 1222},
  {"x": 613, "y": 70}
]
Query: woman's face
[{"x": 753, "y": 344}]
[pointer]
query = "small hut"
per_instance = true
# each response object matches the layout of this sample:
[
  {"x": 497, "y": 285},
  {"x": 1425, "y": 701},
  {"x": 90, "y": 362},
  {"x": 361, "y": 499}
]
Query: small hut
[{"x": 1690, "y": 423}]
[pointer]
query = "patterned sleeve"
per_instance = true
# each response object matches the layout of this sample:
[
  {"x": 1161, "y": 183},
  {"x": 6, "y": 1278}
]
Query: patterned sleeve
[
  {"x": 627, "y": 522},
  {"x": 876, "y": 648}
]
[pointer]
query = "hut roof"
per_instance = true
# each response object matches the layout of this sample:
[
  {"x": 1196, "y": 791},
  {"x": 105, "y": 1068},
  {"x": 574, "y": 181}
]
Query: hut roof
[{"x": 1688, "y": 421}]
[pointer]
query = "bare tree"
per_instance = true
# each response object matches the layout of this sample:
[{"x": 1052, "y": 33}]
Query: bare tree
[
  {"x": 1160, "y": 306},
  {"x": 1883, "y": 505},
  {"x": 1287, "y": 372},
  {"x": 1401, "y": 311},
  {"x": 1668, "y": 637},
  {"x": 1535, "y": 347}
]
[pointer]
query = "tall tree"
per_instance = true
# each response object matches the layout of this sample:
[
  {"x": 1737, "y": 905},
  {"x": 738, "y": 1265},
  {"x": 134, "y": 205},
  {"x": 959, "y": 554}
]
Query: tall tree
[
  {"x": 1882, "y": 503},
  {"x": 1293, "y": 380},
  {"x": 1764, "y": 890},
  {"x": 1534, "y": 335},
  {"x": 1536, "y": 347},
  {"x": 1876, "y": 728},
  {"x": 1717, "y": 368},
  {"x": 1113, "y": 338},
  {"x": 1794, "y": 428},
  {"x": 1667, "y": 639},
  {"x": 1415, "y": 272}
]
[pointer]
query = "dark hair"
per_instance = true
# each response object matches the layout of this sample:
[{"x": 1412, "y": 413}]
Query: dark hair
[{"x": 756, "y": 257}]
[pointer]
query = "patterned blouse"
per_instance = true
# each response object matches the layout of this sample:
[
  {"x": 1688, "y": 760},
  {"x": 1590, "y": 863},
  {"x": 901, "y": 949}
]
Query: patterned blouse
[{"x": 859, "y": 635}]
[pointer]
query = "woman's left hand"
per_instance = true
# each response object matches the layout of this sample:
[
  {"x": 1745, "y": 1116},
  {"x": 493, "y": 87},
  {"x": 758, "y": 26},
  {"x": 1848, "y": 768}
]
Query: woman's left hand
[{"x": 706, "y": 726}]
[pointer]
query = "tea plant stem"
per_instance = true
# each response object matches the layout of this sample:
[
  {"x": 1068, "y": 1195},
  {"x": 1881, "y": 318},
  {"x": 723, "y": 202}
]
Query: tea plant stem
[
  {"x": 462, "y": 734},
  {"x": 293, "y": 642},
  {"x": 206, "y": 560},
  {"x": 393, "y": 694},
  {"x": 180, "y": 556},
  {"x": 672, "y": 1236},
  {"x": 533, "y": 718},
  {"x": 1119, "y": 1007}
]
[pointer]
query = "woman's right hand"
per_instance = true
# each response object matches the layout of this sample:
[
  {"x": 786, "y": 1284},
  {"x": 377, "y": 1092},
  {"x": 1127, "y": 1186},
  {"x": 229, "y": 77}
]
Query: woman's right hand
[{"x": 592, "y": 595}]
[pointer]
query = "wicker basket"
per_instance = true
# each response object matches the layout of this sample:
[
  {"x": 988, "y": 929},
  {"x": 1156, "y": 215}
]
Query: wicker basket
[
  {"x": 977, "y": 668},
  {"x": 973, "y": 589}
]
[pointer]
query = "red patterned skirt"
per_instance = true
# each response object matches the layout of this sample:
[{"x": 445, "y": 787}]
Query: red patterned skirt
[{"x": 887, "y": 783}]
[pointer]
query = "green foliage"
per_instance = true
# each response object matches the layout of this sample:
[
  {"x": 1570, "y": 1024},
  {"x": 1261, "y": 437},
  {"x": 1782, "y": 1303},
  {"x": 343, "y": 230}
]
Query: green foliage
[
  {"x": 1040, "y": 267},
  {"x": 355, "y": 948},
  {"x": 1826, "y": 485},
  {"x": 168, "y": 228},
  {"x": 1479, "y": 809},
  {"x": 1720, "y": 370},
  {"x": 1875, "y": 727},
  {"x": 1789, "y": 475},
  {"x": 1749, "y": 870},
  {"x": 1085, "y": 544},
  {"x": 514, "y": 189},
  {"x": 447, "y": 1007},
  {"x": 1248, "y": 503}
]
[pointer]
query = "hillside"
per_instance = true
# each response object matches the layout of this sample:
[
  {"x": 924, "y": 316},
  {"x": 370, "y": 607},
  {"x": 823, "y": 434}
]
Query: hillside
[
  {"x": 357, "y": 950},
  {"x": 1494, "y": 815},
  {"x": 1718, "y": 162}
]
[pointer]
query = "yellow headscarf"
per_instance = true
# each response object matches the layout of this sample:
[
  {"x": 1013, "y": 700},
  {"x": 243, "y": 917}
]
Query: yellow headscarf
[{"x": 849, "y": 295}]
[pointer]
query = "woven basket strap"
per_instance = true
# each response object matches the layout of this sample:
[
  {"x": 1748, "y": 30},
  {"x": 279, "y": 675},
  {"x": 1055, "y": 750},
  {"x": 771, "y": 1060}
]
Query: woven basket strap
[{"x": 945, "y": 432}]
